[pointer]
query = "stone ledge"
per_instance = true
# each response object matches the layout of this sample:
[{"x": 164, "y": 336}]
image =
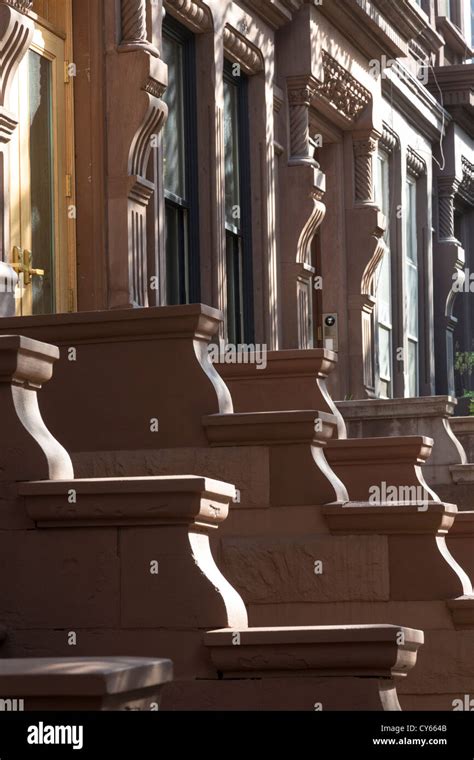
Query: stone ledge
[
  {"x": 463, "y": 473},
  {"x": 268, "y": 428},
  {"x": 412, "y": 449},
  {"x": 184, "y": 500},
  {"x": 462, "y": 612},
  {"x": 424, "y": 406},
  {"x": 390, "y": 518},
  {"x": 357, "y": 650},
  {"x": 84, "y": 683},
  {"x": 195, "y": 320}
]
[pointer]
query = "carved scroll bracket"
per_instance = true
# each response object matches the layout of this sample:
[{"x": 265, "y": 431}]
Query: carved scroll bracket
[{"x": 16, "y": 33}]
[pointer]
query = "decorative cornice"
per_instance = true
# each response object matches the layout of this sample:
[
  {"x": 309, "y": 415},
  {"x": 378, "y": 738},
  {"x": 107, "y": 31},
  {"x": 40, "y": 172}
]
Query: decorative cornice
[
  {"x": 389, "y": 139},
  {"x": 241, "y": 51},
  {"x": 194, "y": 14},
  {"x": 416, "y": 166},
  {"x": 341, "y": 89},
  {"x": 276, "y": 13}
]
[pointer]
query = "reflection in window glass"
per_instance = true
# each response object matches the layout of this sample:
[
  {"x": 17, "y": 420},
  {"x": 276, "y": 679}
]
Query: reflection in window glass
[
  {"x": 383, "y": 291},
  {"x": 411, "y": 284}
]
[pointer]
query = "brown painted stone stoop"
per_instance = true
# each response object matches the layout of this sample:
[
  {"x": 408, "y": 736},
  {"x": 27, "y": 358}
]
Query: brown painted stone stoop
[
  {"x": 276, "y": 536},
  {"x": 137, "y": 553}
]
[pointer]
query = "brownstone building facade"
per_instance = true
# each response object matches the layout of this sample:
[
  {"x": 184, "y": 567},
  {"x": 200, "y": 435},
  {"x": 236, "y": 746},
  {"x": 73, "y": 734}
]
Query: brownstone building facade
[{"x": 304, "y": 169}]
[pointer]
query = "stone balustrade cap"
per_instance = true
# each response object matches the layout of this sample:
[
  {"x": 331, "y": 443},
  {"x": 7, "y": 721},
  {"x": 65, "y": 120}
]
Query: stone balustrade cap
[
  {"x": 197, "y": 321},
  {"x": 87, "y": 676},
  {"x": 390, "y": 518},
  {"x": 269, "y": 428},
  {"x": 382, "y": 650},
  {"x": 24, "y": 361},
  {"x": 312, "y": 362},
  {"x": 462, "y": 425},
  {"x": 414, "y": 449},
  {"x": 423, "y": 406},
  {"x": 165, "y": 499}
]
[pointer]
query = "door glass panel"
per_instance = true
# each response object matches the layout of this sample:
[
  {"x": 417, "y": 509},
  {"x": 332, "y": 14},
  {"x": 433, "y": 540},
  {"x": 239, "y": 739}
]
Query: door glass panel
[{"x": 41, "y": 178}]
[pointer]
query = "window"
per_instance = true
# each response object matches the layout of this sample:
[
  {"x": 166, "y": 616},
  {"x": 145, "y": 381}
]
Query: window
[
  {"x": 384, "y": 285},
  {"x": 411, "y": 295},
  {"x": 237, "y": 208},
  {"x": 179, "y": 162}
]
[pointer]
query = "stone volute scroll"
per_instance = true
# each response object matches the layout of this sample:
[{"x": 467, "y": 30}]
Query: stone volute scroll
[{"x": 137, "y": 113}]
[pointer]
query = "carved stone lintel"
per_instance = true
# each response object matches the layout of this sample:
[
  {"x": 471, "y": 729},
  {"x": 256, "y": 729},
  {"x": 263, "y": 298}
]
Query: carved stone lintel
[
  {"x": 192, "y": 13},
  {"x": 363, "y": 169},
  {"x": 239, "y": 49},
  {"x": 389, "y": 139},
  {"x": 134, "y": 29},
  {"x": 415, "y": 164}
]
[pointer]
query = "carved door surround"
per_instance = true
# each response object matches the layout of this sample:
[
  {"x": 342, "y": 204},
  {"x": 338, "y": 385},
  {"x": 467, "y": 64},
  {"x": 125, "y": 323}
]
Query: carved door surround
[
  {"x": 136, "y": 113},
  {"x": 346, "y": 107}
]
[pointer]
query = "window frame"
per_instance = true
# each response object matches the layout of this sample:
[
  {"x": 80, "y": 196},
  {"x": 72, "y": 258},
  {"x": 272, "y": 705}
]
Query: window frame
[
  {"x": 192, "y": 288},
  {"x": 244, "y": 234},
  {"x": 408, "y": 262},
  {"x": 383, "y": 157}
]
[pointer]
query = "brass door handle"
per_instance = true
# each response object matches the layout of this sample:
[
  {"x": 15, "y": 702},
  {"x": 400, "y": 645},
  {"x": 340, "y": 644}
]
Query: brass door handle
[
  {"x": 29, "y": 272},
  {"x": 22, "y": 261}
]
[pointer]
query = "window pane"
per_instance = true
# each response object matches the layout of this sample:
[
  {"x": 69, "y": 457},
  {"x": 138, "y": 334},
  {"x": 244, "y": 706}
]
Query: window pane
[
  {"x": 235, "y": 324},
  {"x": 174, "y": 156},
  {"x": 385, "y": 350},
  {"x": 231, "y": 154},
  {"x": 177, "y": 259},
  {"x": 412, "y": 370},
  {"x": 412, "y": 301},
  {"x": 410, "y": 212},
  {"x": 41, "y": 177}
]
